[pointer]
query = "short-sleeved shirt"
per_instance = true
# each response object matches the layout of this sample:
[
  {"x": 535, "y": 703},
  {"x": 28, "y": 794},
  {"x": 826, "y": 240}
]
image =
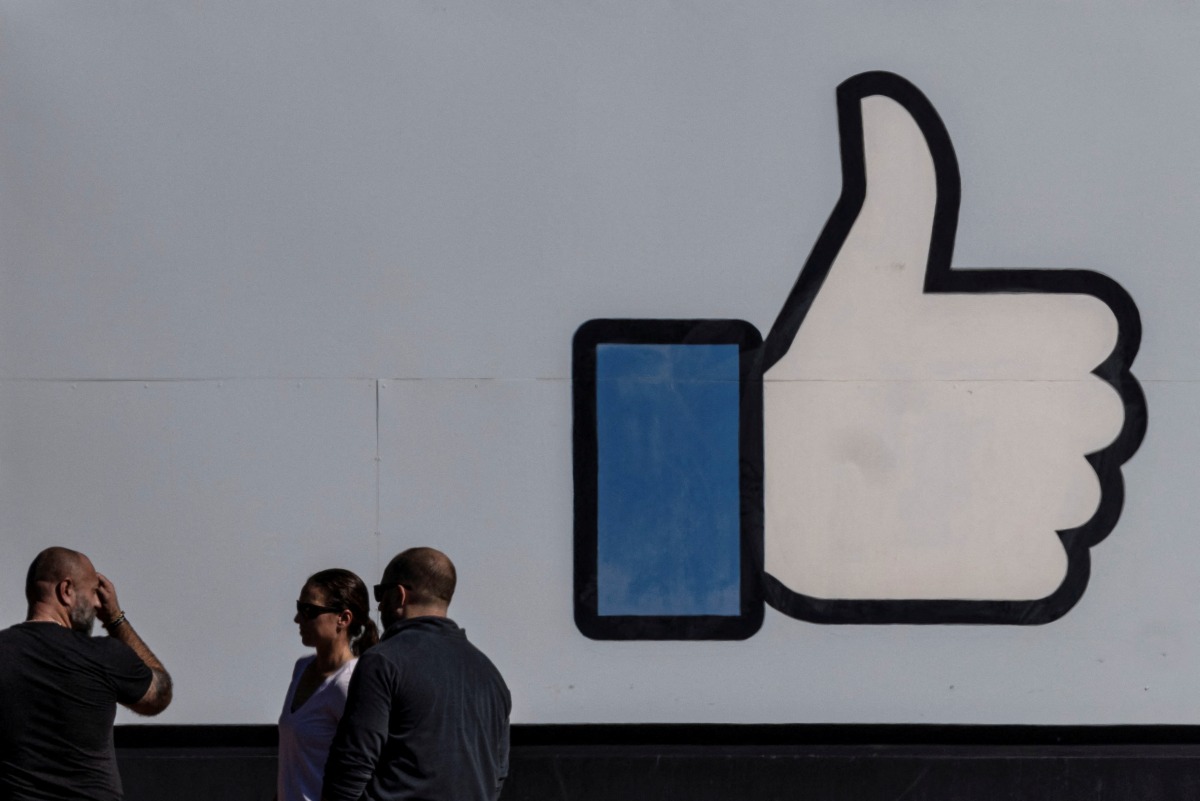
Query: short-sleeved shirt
[
  {"x": 305, "y": 734},
  {"x": 58, "y": 694}
]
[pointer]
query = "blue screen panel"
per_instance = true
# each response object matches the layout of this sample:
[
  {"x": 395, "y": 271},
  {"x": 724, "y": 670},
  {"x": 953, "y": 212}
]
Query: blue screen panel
[{"x": 668, "y": 498}]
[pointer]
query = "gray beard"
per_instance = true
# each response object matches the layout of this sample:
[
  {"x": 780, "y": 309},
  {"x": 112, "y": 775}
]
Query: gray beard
[{"x": 82, "y": 619}]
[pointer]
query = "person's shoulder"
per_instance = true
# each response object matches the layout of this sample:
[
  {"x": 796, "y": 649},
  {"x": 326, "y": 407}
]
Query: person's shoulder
[
  {"x": 17, "y": 646},
  {"x": 106, "y": 646},
  {"x": 455, "y": 640},
  {"x": 376, "y": 664},
  {"x": 114, "y": 655},
  {"x": 36, "y": 634},
  {"x": 435, "y": 627},
  {"x": 301, "y": 664},
  {"x": 484, "y": 664},
  {"x": 419, "y": 635},
  {"x": 10, "y": 637},
  {"x": 341, "y": 679},
  {"x": 32, "y": 628},
  {"x": 69, "y": 643},
  {"x": 382, "y": 651}
]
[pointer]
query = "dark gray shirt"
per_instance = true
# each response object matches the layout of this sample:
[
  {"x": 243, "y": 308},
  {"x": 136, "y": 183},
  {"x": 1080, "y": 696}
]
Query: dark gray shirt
[{"x": 426, "y": 718}]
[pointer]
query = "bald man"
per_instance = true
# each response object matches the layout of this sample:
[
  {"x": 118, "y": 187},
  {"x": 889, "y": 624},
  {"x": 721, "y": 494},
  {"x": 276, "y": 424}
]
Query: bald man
[
  {"x": 59, "y": 686},
  {"x": 427, "y": 712}
]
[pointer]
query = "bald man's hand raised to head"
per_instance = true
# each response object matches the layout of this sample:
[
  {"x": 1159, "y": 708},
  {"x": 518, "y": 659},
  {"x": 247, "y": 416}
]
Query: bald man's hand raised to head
[
  {"x": 160, "y": 692},
  {"x": 110, "y": 608}
]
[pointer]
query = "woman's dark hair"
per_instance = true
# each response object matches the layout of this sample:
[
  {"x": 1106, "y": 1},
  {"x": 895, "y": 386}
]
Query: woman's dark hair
[{"x": 344, "y": 590}]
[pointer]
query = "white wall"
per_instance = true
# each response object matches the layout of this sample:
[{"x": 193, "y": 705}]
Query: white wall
[{"x": 292, "y": 285}]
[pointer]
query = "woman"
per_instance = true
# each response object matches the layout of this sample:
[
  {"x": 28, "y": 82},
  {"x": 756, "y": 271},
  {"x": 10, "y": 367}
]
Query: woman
[{"x": 333, "y": 616}]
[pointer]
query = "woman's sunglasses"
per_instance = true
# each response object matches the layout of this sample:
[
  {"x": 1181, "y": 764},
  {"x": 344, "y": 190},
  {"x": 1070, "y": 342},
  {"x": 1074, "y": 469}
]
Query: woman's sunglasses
[{"x": 312, "y": 611}]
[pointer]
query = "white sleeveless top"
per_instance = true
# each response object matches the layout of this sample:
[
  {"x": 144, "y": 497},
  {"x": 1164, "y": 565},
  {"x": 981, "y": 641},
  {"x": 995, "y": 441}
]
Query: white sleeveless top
[{"x": 305, "y": 735}]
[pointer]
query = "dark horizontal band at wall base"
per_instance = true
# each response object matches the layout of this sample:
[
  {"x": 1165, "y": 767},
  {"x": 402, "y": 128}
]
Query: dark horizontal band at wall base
[
  {"x": 723, "y": 762},
  {"x": 712, "y": 734}
]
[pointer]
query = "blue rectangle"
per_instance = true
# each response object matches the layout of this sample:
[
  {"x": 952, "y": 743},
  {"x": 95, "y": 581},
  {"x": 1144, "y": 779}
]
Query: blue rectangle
[{"x": 668, "y": 494}]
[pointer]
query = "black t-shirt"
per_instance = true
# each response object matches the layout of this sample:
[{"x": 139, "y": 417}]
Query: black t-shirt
[{"x": 58, "y": 694}]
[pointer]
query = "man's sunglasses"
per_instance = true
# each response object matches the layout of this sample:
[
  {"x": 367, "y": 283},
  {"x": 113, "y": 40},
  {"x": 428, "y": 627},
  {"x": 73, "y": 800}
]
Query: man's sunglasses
[
  {"x": 380, "y": 590},
  {"x": 312, "y": 611}
]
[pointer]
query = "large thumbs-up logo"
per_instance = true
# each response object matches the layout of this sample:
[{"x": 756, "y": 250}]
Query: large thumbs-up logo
[{"x": 938, "y": 444}]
